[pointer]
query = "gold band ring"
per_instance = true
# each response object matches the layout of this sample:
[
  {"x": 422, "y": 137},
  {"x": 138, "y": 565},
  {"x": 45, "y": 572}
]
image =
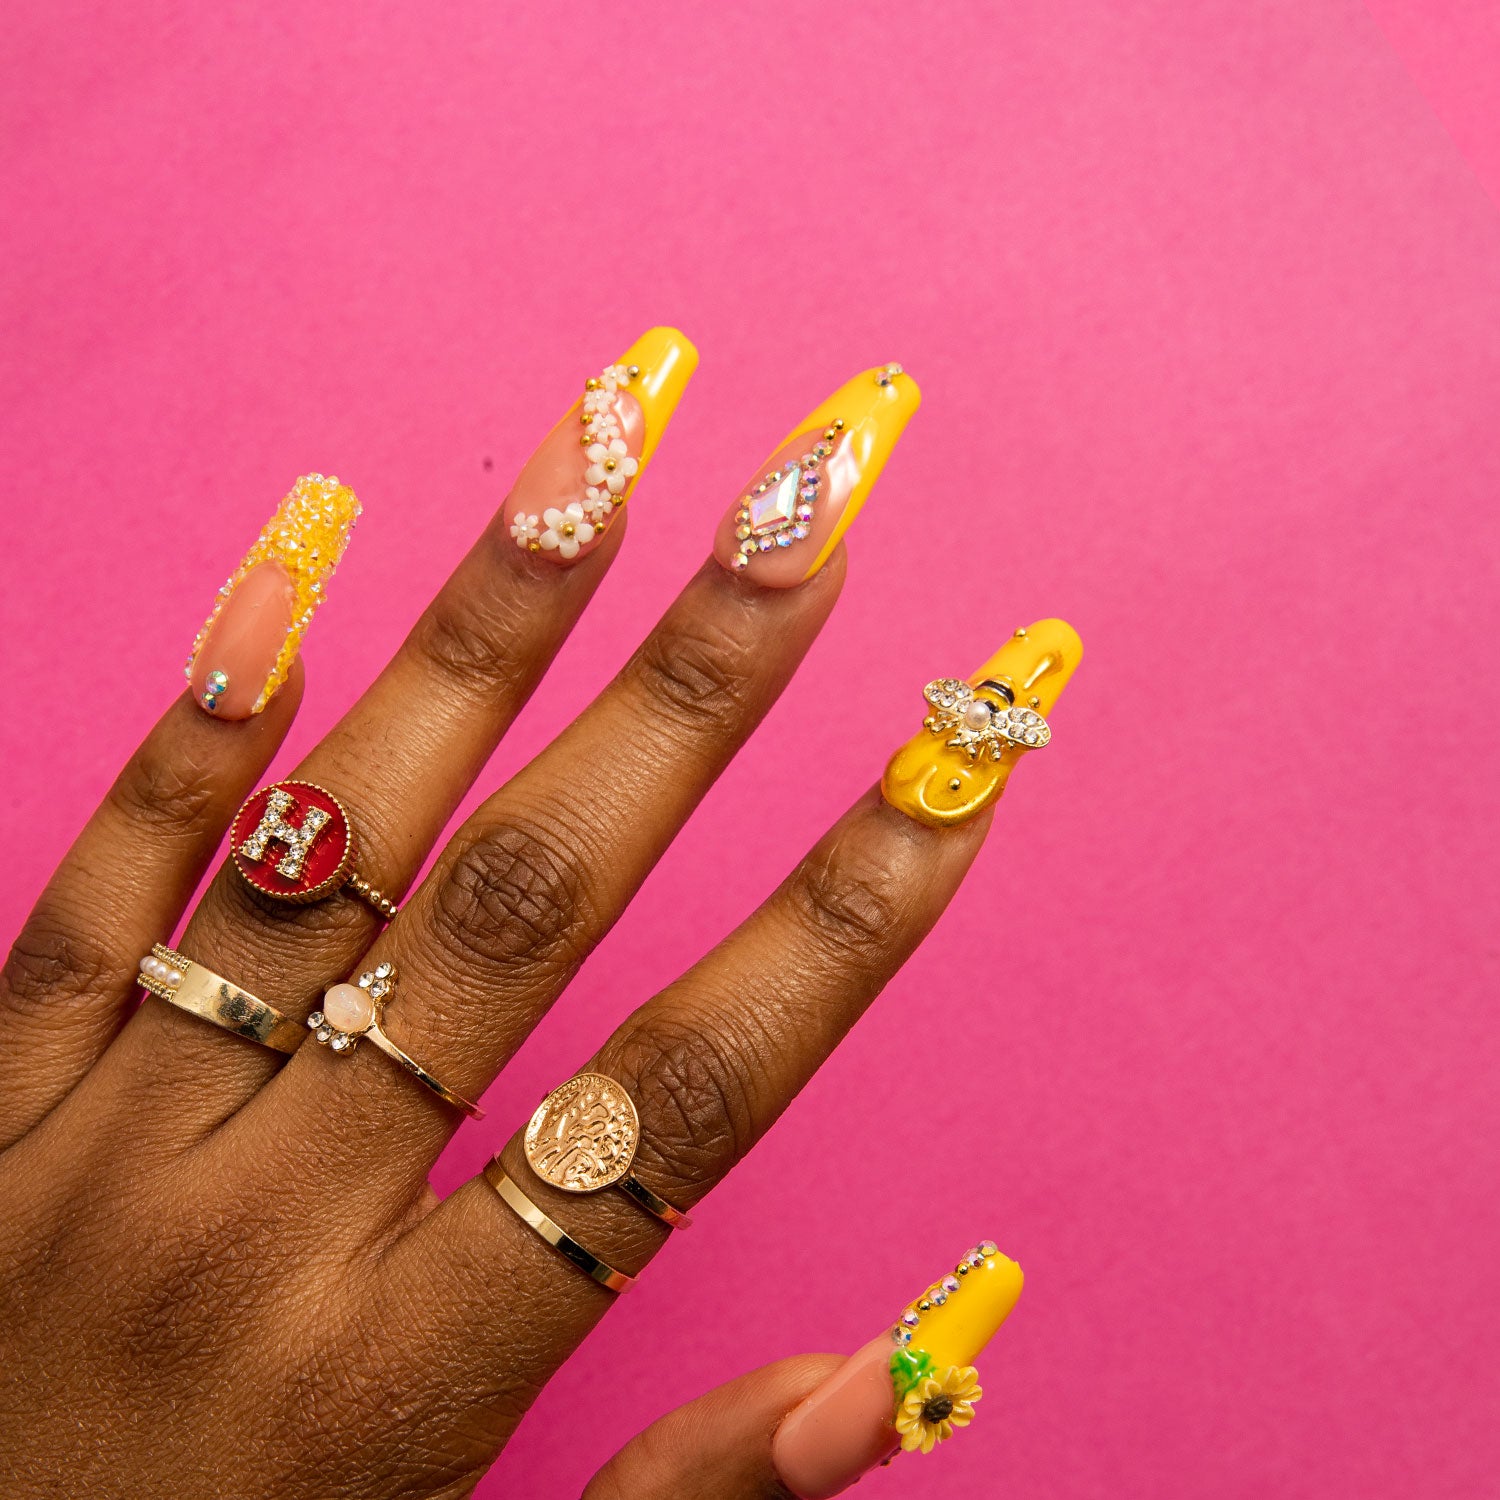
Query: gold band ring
[
  {"x": 293, "y": 841},
  {"x": 353, "y": 1012},
  {"x": 554, "y": 1234},
  {"x": 583, "y": 1137},
  {"x": 189, "y": 986}
]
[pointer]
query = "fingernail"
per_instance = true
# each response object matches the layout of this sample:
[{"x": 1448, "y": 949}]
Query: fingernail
[
  {"x": 249, "y": 642},
  {"x": 789, "y": 518},
  {"x": 911, "y": 1388},
  {"x": 579, "y": 479},
  {"x": 976, "y": 731}
]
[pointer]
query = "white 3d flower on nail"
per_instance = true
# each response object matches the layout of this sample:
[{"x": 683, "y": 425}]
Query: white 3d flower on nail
[
  {"x": 566, "y": 531},
  {"x": 597, "y": 503},
  {"x": 602, "y": 429},
  {"x": 610, "y": 464},
  {"x": 610, "y": 470}
]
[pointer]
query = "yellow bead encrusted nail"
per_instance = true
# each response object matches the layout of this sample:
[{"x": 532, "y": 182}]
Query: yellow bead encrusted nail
[{"x": 305, "y": 538}]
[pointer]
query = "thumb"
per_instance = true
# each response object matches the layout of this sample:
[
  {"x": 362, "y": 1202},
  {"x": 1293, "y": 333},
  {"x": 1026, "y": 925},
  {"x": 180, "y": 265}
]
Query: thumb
[
  {"x": 810, "y": 1426},
  {"x": 717, "y": 1447}
]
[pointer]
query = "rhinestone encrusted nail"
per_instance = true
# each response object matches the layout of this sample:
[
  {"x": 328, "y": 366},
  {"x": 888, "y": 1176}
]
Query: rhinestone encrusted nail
[{"x": 779, "y": 510}]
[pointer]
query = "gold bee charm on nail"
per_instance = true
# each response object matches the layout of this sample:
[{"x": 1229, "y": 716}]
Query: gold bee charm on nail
[{"x": 983, "y": 720}]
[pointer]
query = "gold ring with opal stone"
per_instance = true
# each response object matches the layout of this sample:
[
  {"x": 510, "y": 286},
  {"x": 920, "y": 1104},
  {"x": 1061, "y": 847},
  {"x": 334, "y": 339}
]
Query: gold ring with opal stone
[
  {"x": 353, "y": 1013},
  {"x": 583, "y": 1137}
]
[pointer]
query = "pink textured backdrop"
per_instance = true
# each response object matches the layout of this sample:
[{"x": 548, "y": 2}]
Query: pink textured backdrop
[{"x": 1204, "y": 299}]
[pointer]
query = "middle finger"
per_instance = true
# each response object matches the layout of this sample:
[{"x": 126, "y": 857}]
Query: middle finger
[{"x": 541, "y": 872}]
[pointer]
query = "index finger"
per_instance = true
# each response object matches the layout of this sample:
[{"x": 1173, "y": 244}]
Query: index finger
[{"x": 712, "y": 1061}]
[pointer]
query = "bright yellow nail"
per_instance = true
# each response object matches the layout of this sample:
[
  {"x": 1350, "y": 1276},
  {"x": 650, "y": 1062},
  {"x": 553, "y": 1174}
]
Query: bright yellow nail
[
  {"x": 666, "y": 359},
  {"x": 800, "y": 502},
  {"x": 978, "y": 1302},
  {"x": 976, "y": 731}
]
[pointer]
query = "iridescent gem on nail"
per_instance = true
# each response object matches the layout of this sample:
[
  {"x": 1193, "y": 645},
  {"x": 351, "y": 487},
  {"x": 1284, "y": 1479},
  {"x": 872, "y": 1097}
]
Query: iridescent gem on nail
[{"x": 775, "y": 507}]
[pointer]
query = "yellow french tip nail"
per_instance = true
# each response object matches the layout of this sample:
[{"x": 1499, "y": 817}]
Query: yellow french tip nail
[
  {"x": 976, "y": 730},
  {"x": 246, "y": 647},
  {"x": 586, "y": 469},
  {"x": 912, "y": 1386},
  {"x": 802, "y": 500},
  {"x": 666, "y": 358},
  {"x": 979, "y": 1296}
]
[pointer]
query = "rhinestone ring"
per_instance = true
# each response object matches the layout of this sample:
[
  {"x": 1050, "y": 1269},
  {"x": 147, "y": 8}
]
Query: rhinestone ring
[
  {"x": 293, "y": 841},
  {"x": 353, "y": 1012},
  {"x": 583, "y": 1137}
]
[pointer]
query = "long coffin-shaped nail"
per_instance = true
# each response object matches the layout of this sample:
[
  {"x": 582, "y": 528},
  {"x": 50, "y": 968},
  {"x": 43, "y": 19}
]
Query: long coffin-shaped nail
[
  {"x": 976, "y": 731},
  {"x": 910, "y": 1388},
  {"x": 249, "y": 642},
  {"x": 789, "y": 518},
  {"x": 579, "y": 479}
]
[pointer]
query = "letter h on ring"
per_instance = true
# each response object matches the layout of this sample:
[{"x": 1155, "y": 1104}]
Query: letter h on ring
[{"x": 273, "y": 826}]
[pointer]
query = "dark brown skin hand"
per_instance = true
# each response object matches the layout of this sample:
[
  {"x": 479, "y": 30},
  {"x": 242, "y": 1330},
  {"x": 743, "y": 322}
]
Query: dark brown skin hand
[{"x": 222, "y": 1272}]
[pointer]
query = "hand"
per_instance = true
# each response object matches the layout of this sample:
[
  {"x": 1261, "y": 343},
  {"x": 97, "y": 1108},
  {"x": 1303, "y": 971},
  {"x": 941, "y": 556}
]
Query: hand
[{"x": 223, "y": 1270}]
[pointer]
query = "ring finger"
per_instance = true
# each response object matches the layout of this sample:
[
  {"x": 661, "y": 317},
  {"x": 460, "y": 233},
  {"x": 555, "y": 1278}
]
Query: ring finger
[{"x": 408, "y": 750}]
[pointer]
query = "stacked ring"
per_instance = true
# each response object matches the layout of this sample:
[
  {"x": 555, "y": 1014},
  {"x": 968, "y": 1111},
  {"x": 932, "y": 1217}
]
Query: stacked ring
[
  {"x": 583, "y": 1137},
  {"x": 293, "y": 841},
  {"x": 554, "y": 1234},
  {"x": 189, "y": 986},
  {"x": 352, "y": 1012}
]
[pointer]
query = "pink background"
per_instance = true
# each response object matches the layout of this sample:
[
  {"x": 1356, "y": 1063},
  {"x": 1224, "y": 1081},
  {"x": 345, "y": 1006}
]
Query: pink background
[{"x": 1205, "y": 301}]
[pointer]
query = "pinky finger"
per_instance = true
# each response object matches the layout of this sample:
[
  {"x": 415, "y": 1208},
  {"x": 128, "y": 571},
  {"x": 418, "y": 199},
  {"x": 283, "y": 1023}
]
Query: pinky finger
[{"x": 67, "y": 984}]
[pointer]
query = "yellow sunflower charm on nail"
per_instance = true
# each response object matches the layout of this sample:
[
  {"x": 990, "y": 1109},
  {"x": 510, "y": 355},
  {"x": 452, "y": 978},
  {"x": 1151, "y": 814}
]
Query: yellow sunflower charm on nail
[{"x": 936, "y": 1405}]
